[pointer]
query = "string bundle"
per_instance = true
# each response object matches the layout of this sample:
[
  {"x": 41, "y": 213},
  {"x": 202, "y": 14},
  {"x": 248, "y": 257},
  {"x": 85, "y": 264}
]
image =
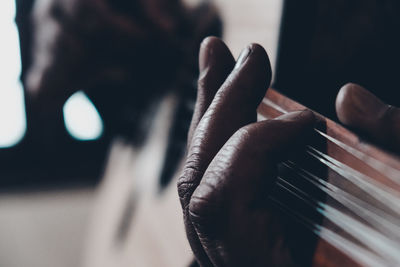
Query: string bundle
[{"x": 344, "y": 191}]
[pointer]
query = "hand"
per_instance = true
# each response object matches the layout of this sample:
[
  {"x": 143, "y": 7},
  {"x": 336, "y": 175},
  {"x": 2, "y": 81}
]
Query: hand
[
  {"x": 113, "y": 50},
  {"x": 232, "y": 162},
  {"x": 365, "y": 113},
  {"x": 79, "y": 44}
]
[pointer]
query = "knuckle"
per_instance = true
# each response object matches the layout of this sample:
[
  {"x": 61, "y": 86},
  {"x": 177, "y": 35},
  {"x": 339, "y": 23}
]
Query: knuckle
[
  {"x": 245, "y": 135},
  {"x": 254, "y": 140},
  {"x": 204, "y": 205},
  {"x": 189, "y": 180},
  {"x": 184, "y": 188},
  {"x": 198, "y": 207},
  {"x": 202, "y": 81}
]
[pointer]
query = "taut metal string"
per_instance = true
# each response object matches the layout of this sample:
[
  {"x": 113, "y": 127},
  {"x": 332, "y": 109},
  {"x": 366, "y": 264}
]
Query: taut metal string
[{"x": 369, "y": 219}]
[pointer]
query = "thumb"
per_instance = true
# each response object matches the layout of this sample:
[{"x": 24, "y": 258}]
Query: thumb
[{"x": 358, "y": 108}]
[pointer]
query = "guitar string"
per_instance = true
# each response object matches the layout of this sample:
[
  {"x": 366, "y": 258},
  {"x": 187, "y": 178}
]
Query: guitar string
[
  {"x": 390, "y": 172},
  {"x": 368, "y": 236},
  {"x": 340, "y": 219},
  {"x": 379, "y": 218},
  {"x": 379, "y": 166},
  {"x": 382, "y": 193},
  {"x": 372, "y": 239},
  {"x": 343, "y": 243},
  {"x": 346, "y": 246},
  {"x": 328, "y": 210},
  {"x": 387, "y": 228},
  {"x": 369, "y": 185},
  {"x": 385, "y": 223}
]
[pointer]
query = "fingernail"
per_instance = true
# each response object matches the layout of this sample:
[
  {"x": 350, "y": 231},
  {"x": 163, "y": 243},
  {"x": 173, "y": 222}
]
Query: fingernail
[
  {"x": 243, "y": 57},
  {"x": 297, "y": 115}
]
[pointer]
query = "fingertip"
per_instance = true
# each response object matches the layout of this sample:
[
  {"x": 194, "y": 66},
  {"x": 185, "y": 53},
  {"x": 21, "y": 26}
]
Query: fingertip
[
  {"x": 259, "y": 51},
  {"x": 297, "y": 126},
  {"x": 357, "y": 107},
  {"x": 253, "y": 71},
  {"x": 210, "y": 39},
  {"x": 308, "y": 115},
  {"x": 215, "y": 64},
  {"x": 212, "y": 48},
  {"x": 260, "y": 55},
  {"x": 304, "y": 117},
  {"x": 344, "y": 103}
]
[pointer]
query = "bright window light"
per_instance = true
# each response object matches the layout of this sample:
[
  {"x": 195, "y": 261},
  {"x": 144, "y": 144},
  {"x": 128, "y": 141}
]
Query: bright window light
[
  {"x": 12, "y": 107},
  {"x": 82, "y": 120}
]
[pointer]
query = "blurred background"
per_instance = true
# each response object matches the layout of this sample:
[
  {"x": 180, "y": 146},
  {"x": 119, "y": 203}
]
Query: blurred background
[
  {"x": 96, "y": 97},
  {"x": 58, "y": 151}
]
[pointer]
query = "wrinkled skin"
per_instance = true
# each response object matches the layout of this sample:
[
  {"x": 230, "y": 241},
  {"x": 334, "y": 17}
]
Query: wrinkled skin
[{"x": 232, "y": 160}]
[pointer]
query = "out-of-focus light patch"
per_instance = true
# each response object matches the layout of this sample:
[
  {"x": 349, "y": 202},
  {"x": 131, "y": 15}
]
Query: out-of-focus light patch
[
  {"x": 81, "y": 118},
  {"x": 12, "y": 107}
]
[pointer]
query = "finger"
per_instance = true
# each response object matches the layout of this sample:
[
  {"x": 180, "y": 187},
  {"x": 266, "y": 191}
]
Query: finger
[
  {"x": 361, "y": 110},
  {"x": 242, "y": 172},
  {"x": 233, "y": 107},
  {"x": 215, "y": 64}
]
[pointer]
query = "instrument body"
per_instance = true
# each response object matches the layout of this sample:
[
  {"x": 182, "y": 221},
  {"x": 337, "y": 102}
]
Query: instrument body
[{"x": 360, "y": 187}]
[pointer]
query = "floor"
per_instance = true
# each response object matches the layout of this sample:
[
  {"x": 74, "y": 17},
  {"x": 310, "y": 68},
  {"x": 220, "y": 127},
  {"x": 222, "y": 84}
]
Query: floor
[{"x": 48, "y": 229}]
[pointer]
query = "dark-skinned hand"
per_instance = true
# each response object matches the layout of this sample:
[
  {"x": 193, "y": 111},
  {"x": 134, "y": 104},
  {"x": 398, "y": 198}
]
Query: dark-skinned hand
[
  {"x": 125, "y": 55},
  {"x": 232, "y": 160},
  {"x": 78, "y": 44}
]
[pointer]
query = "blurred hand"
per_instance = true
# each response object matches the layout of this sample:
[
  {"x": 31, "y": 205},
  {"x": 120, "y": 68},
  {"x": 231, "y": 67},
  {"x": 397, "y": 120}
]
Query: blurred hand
[
  {"x": 232, "y": 162},
  {"x": 125, "y": 55},
  {"x": 79, "y": 44},
  {"x": 357, "y": 108}
]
